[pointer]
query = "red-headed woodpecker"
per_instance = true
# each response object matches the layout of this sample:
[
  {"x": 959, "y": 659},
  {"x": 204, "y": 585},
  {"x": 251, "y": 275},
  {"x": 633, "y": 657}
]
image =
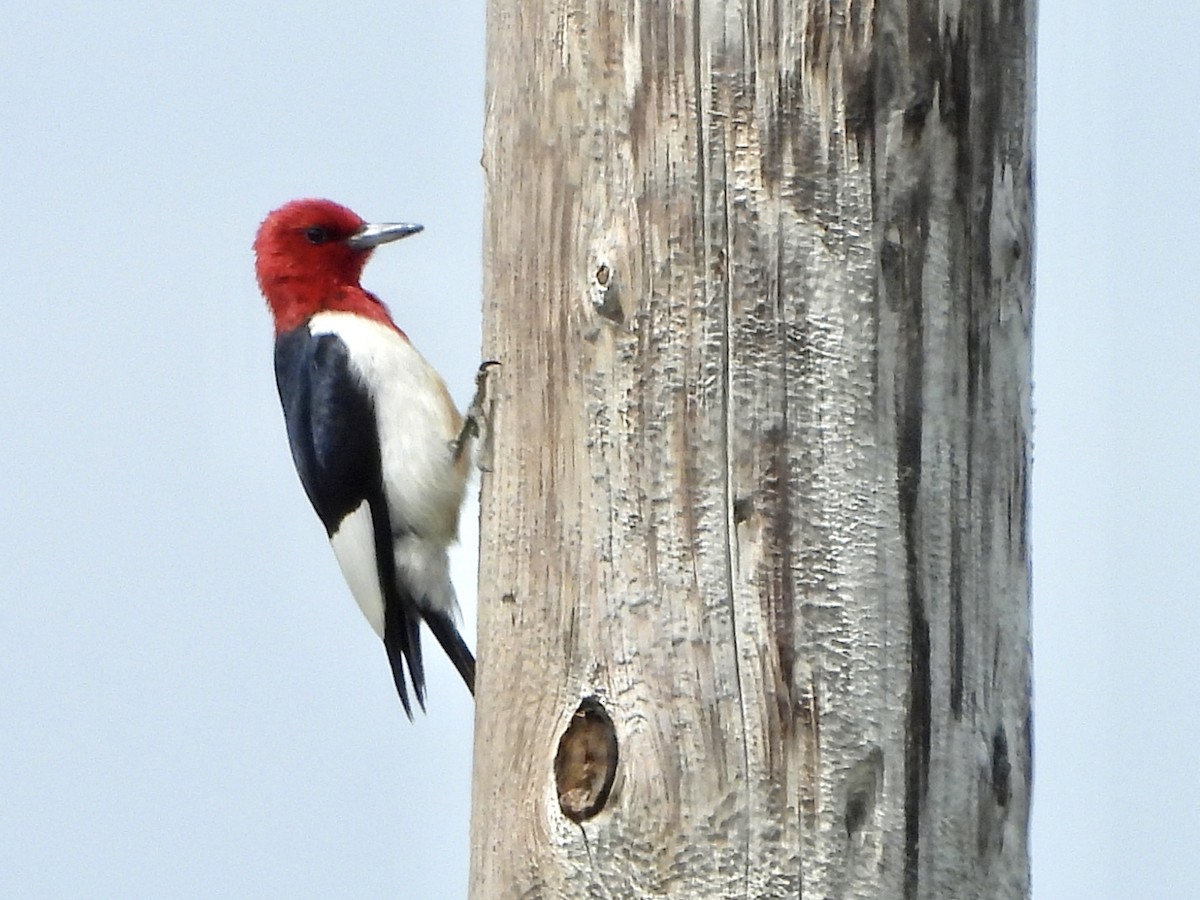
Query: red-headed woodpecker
[{"x": 376, "y": 439}]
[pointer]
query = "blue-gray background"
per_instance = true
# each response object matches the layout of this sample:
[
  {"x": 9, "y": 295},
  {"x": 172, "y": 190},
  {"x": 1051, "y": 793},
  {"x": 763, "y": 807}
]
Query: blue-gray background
[{"x": 191, "y": 706}]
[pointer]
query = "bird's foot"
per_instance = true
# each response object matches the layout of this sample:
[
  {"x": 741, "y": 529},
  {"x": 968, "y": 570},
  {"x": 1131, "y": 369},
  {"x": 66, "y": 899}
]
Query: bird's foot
[{"x": 476, "y": 417}]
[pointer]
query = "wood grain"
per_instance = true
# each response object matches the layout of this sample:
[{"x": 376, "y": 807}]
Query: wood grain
[{"x": 760, "y": 278}]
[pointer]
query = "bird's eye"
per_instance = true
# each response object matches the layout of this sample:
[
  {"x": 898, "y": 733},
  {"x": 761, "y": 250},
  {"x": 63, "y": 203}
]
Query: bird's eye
[{"x": 316, "y": 235}]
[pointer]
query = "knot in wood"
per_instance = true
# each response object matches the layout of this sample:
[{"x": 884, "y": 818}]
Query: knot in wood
[
  {"x": 604, "y": 294},
  {"x": 586, "y": 762}
]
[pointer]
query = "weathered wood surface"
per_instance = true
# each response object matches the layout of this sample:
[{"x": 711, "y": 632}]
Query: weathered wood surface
[{"x": 759, "y": 274}]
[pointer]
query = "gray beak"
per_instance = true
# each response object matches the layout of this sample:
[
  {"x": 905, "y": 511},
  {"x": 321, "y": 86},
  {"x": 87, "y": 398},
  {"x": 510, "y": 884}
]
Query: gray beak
[{"x": 373, "y": 235}]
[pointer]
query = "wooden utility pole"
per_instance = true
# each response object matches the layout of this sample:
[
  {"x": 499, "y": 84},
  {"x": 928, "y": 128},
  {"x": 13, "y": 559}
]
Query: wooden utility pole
[{"x": 754, "y": 575}]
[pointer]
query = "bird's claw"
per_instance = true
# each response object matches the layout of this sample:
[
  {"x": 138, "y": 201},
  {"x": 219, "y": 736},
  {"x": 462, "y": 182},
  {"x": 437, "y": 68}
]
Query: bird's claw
[{"x": 475, "y": 414}]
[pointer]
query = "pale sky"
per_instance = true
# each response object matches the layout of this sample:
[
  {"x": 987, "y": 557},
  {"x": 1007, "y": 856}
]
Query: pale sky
[{"x": 191, "y": 704}]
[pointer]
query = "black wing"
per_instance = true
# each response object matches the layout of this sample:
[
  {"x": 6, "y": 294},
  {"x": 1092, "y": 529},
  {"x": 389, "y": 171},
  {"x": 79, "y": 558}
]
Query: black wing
[{"x": 335, "y": 446}]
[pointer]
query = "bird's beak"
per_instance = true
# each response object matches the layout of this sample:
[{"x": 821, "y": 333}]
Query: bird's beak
[{"x": 373, "y": 235}]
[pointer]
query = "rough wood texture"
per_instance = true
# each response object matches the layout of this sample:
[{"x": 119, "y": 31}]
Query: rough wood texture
[{"x": 759, "y": 274}]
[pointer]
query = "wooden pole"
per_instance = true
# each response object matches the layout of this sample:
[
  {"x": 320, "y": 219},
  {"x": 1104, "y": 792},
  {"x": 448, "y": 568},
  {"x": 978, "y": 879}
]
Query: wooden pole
[{"x": 754, "y": 571}]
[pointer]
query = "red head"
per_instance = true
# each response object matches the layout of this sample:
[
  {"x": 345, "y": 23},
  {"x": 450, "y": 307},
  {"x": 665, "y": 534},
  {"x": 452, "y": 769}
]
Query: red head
[{"x": 309, "y": 256}]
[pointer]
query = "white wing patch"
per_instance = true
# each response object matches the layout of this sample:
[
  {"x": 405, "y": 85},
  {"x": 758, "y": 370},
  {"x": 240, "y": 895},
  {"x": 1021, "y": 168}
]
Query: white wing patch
[{"x": 354, "y": 546}]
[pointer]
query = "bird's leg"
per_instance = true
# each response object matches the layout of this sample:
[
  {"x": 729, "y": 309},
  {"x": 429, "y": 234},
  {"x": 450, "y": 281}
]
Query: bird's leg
[{"x": 475, "y": 413}]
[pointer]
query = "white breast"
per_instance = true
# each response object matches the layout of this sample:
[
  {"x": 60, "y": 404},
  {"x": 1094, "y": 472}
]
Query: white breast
[{"x": 417, "y": 422}]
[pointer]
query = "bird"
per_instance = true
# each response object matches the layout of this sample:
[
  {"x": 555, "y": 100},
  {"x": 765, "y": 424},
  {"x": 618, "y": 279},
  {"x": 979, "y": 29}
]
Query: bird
[{"x": 381, "y": 450}]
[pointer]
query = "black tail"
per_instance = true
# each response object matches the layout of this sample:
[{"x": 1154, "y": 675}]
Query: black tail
[
  {"x": 460, "y": 654},
  {"x": 402, "y": 639}
]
